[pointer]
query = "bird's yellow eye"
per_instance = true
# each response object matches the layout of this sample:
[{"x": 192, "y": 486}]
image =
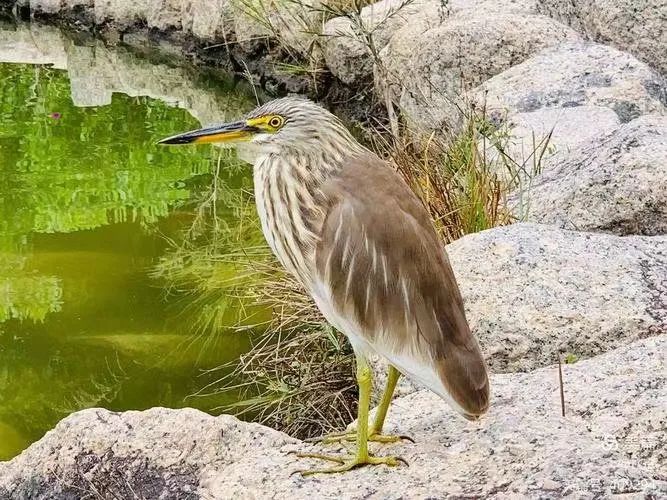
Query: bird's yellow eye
[{"x": 276, "y": 122}]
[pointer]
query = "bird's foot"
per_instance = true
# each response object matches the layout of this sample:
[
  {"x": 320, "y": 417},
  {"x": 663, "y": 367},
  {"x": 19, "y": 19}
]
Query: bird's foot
[
  {"x": 350, "y": 436},
  {"x": 347, "y": 462}
]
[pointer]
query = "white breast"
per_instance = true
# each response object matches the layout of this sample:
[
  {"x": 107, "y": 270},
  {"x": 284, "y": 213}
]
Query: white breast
[{"x": 281, "y": 216}]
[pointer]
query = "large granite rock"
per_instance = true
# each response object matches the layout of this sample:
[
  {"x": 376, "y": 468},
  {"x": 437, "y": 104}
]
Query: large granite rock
[
  {"x": 350, "y": 42},
  {"x": 532, "y": 291},
  {"x": 637, "y": 26},
  {"x": 424, "y": 72},
  {"x": 611, "y": 442},
  {"x": 588, "y": 74},
  {"x": 615, "y": 182},
  {"x": 531, "y": 142},
  {"x": 542, "y": 113}
]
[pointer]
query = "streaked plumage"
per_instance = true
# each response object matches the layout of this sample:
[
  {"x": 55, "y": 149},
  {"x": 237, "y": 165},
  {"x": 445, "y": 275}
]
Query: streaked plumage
[{"x": 347, "y": 226}]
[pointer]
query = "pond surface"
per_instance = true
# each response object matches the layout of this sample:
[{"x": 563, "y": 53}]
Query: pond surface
[{"x": 90, "y": 211}]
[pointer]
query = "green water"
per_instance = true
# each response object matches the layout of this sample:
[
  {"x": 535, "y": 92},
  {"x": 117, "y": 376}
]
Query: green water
[{"x": 89, "y": 206}]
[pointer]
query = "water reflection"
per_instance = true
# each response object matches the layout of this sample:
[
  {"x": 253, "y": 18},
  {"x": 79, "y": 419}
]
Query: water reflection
[{"x": 88, "y": 207}]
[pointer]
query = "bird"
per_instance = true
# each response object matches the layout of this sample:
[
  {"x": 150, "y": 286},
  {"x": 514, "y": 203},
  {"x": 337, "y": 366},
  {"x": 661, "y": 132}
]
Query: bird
[{"x": 347, "y": 226}]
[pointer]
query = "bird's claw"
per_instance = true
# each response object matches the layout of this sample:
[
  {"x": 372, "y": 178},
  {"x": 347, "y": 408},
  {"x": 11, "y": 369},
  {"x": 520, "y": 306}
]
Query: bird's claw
[
  {"x": 347, "y": 462},
  {"x": 352, "y": 436}
]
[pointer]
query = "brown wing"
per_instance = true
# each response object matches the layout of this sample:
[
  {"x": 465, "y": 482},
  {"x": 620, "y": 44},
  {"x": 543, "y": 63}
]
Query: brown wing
[{"x": 386, "y": 269}]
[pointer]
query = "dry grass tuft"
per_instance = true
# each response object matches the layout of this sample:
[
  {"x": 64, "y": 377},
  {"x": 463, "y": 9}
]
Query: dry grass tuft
[
  {"x": 298, "y": 375},
  {"x": 299, "y": 381},
  {"x": 459, "y": 184},
  {"x": 295, "y": 28}
]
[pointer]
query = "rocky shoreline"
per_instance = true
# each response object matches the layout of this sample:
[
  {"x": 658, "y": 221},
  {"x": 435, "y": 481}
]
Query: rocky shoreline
[
  {"x": 587, "y": 275},
  {"x": 424, "y": 53},
  {"x": 611, "y": 442}
]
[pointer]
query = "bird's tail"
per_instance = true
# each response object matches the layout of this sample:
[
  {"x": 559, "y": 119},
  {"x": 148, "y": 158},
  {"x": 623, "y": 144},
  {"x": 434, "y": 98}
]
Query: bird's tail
[{"x": 464, "y": 376}]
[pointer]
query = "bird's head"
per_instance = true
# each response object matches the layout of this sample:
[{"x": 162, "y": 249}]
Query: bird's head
[{"x": 289, "y": 123}]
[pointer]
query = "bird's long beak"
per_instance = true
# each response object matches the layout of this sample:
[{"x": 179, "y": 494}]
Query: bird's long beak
[{"x": 227, "y": 132}]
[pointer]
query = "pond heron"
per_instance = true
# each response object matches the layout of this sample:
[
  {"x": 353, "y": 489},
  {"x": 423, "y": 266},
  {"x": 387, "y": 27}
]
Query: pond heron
[{"x": 348, "y": 227}]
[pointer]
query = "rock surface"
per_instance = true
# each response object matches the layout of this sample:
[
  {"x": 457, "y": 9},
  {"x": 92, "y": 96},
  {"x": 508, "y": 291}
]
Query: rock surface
[
  {"x": 616, "y": 182},
  {"x": 347, "y": 41},
  {"x": 543, "y": 114},
  {"x": 531, "y": 142},
  {"x": 610, "y": 442},
  {"x": 588, "y": 74},
  {"x": 638, "y": 26},
  {"x": 531, "y": 291},
  {"x": 424, "y": 72},
  {"x": 494, "y": 6}
]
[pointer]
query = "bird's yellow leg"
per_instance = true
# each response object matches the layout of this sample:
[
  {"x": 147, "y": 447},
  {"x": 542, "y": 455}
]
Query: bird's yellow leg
[
  {"x": 392, "y": 379},
  {"x": 362, "y": 456},
  {"x": 375, "y": 435}
]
